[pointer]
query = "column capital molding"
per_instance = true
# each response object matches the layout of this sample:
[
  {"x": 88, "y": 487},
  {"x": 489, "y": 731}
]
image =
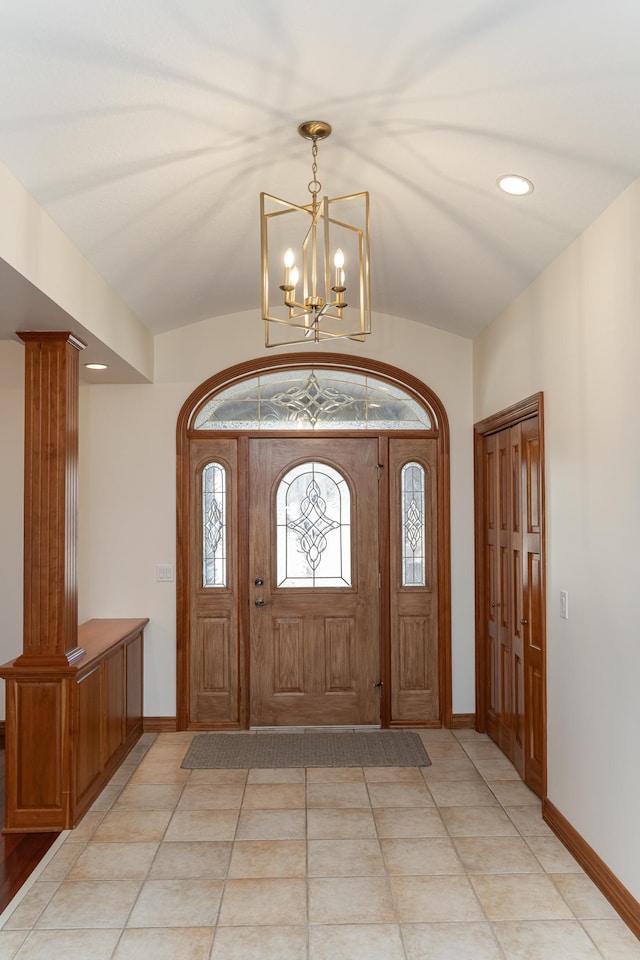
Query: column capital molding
[{"x": 51, "y": 336}]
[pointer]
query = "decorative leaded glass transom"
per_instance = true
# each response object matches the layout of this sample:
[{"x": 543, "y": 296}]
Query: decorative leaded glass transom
[
  {"x": 313, "y": 517},
  {"x": 412, "y": 487},
  {"x": 313, "y": 400},
  {"x": 214, "y": 526}
]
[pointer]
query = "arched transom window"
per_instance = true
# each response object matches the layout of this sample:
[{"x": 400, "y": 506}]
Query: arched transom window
[{"x": 309, "y": 399}]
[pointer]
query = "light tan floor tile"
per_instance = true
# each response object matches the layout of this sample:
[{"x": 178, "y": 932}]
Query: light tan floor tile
[
  {"x": 253, "y": 943},
  {"x": 280, "y": 775},
  {"x": 496, "y": 855},
  {"x": 217, "y": 776},
  {"x": 469, "y": 735},
  {"x": 129, "y": 826},
  {"x": 400, "y": 795},
  {"x": 173, "y": 743},
  {"x": 520, "y": 897},
  {"x": 336, "y": 795},
  {"x": 114, "y": 861},
  {"x": 550, "y": 940},
  {"x": 165, "y": 944},
  {"x": 613, "y": 939},
  {"x": 69, "y": 945},
  {"x": 450, "y": 941},
  {"x": 123, "y": 773},
  {"x": 482, "y": 749},
  {"x": 345, "y": 858},
  {"x": 437, "y": 735},
  {"x": 31, "y": 906},
  {"x": 392, "y": 774},
  {"x": 188, "y": 825},
  {"x": 268, "y": 858},
  {"x": 336, "y": 824},
  {"x": 177, "y": 903},
  {"x": 462, "y": 793},
  {"x": 513, "y": 793},
  {"x": 450, "y": 770},
  {"x": 271, "y": 825},
  {"x": 274, "y": 796},
  {"x": 264, "y": 902},
  {"x": 107, "y": 798},
  {"x": 195, "y": 860},
  {"x": 352, "y": 900},
  {"x": 162, "y": 771},
  {"x": 86, "y": 828},
  {"x": 528, "y": 820},
  {"x": 445, "y": 750},
  {"x": 334, "y": 774},
  {"x": 90, "y": 904},
  {"x": 63, "y": 860},
  {"x": 10, "y": 940},
  {"x": 423, "y": 899},
  {"x": 496, "y": 769},
  {"x": 477, "y": 822},
  {"x": 211, "y": 796},
  {"x": 553, "y": 855},
  {"x": 149, "y": 796},
  {"x": 409, "y": 822},
  {"x": 420, "y": 857},
  {"x": 583, "y": 897},
  {"x": 361, "y": 941},
  {"x": 142, "y": 747}
]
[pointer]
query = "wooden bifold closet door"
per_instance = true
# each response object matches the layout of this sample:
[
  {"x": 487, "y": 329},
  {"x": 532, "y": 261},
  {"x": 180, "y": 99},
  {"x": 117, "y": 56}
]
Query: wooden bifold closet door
[{"x": 511, "y": 596}]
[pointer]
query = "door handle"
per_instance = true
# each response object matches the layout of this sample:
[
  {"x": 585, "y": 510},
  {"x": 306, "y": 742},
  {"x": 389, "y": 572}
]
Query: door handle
[
  {"x": 261, "y": 602},
  {"x": 524, "y": 622}
]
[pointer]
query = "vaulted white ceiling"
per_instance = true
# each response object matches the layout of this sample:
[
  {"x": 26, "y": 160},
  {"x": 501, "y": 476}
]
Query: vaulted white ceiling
[{"x": 147, "y": 129}]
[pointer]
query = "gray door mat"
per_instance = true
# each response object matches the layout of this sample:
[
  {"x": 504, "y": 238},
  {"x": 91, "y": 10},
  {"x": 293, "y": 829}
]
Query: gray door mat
[{"x": 382, "y": 748}]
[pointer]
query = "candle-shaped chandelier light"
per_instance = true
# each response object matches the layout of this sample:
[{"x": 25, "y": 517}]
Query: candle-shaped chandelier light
[{"x": 315, "y": 262}]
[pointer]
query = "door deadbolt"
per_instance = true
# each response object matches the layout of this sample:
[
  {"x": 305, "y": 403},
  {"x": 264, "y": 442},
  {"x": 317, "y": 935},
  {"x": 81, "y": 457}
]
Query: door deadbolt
[{"x": 258, "y": 582}]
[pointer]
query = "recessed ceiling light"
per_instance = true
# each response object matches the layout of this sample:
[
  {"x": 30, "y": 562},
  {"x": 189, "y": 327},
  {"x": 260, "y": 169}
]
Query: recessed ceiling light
[
  {"x": 515, "y": 185},
  {"x": 96, "y": 366}
]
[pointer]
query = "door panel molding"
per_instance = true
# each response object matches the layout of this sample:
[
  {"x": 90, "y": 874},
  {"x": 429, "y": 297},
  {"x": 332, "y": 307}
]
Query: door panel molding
[{"x": 186, "y": 436}]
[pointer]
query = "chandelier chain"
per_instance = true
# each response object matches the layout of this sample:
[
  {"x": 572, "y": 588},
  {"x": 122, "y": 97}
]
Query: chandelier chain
[{"x": 314, "y": 186}]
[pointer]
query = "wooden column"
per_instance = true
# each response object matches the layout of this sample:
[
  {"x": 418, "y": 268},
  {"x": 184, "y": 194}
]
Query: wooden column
[{"x": 50, "y": 500}]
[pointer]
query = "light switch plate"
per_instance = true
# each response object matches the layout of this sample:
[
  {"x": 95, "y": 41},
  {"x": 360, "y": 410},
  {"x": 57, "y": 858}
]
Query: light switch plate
[
  {"x": 165, "y": 572},
  {"x": 564, "y": 604}
]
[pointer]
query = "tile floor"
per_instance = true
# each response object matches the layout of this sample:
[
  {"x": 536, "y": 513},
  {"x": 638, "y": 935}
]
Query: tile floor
[{"x": 447, "y": 862}]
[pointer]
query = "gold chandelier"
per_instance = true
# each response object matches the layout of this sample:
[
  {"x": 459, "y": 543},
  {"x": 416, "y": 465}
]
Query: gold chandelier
[{"x": 315, "y": 262}]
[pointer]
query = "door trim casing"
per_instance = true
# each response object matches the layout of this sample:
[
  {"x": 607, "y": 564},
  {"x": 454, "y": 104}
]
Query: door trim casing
[
  {"x": 185, "y": 432},
  {"x": 509, "y": 417}
]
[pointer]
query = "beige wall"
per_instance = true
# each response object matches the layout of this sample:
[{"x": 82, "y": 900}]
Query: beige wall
[
  {"x": 575, "y": 334},
  {"x": 127, "y": 479}
]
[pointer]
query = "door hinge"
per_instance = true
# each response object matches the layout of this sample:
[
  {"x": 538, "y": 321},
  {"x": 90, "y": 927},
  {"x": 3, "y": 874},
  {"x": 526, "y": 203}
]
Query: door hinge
[
  {"x": 380, "y": 467},
  {"x": 379, "y": 580}
]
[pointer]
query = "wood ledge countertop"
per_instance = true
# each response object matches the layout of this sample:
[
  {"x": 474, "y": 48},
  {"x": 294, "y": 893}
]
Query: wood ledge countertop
[{"x": 96, "y": 637}]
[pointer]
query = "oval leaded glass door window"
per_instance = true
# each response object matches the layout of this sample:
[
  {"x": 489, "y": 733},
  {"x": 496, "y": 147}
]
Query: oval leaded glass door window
[{"x": 313, "y": 508}]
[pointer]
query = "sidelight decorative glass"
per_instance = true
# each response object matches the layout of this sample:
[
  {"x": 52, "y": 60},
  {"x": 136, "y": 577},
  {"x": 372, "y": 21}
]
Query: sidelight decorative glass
[
  {"x": 214, "y": 526},
  {"x": 412, "y": 487},
  {"x": 311, "y": 399},
  {"x": 313, "y": 516}
]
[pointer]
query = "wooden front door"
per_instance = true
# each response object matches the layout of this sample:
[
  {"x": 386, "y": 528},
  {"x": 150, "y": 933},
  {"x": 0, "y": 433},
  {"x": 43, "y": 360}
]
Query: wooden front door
[
  {"x": 314, "y": 576},
  {"x": 511, "y": 624}
]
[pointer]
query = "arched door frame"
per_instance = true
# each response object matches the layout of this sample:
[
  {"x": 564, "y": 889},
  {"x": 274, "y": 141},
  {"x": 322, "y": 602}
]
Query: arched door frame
[{"x": 185, "y": 432}]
